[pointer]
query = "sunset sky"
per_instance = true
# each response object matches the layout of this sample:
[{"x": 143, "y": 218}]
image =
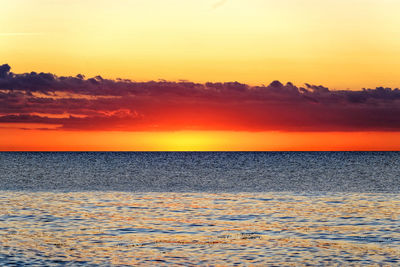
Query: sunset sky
[{"x": 199, "y": 75}]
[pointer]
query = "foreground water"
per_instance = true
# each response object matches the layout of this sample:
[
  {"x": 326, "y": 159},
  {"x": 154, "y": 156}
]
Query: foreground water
[{"x": 200, "y": 209}]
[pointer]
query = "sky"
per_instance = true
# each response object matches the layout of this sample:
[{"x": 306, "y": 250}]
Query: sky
[{"x": 199, "y": 75}]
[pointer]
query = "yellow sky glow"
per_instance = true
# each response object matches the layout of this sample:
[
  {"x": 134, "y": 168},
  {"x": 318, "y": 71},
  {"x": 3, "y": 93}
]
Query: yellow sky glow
[{"x": 337, "y": 43}]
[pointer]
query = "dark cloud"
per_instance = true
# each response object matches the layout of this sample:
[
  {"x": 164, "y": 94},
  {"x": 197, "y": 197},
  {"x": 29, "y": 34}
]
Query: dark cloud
[
  {"x": 4, "y": 70},
  {"x": 97, "y": 103}
]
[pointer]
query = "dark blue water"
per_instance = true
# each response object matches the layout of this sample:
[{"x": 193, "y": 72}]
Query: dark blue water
[
  {"x": 200, "y": 209},
  {"x": 202, "y": 171}
]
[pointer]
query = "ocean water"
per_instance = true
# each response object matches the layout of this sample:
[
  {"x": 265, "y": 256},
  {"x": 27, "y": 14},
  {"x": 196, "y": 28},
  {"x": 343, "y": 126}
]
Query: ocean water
[{"x": 206, "y": 208}]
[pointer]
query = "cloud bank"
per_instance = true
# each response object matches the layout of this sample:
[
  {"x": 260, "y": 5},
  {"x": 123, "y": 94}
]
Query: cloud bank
[{"x": 80, "y": 103}]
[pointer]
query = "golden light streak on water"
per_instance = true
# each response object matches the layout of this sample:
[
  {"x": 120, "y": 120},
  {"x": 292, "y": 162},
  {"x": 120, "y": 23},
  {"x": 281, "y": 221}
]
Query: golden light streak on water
[{"x": 115, "y": 228}]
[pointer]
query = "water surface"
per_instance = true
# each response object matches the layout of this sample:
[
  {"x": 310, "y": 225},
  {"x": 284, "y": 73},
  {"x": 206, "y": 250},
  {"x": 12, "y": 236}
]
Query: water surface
[
  {"x": 300, "y": 209},
  {"x": 203, "y": 171}
]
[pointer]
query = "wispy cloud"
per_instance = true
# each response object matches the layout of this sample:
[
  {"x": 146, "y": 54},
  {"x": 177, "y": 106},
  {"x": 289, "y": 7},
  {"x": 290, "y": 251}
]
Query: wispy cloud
[
  {"x": 20, "y": 33},
  {"x": 219, "y": 4}
]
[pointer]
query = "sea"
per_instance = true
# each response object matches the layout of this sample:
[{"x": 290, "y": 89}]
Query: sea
[{"x": 199, "y": 208}]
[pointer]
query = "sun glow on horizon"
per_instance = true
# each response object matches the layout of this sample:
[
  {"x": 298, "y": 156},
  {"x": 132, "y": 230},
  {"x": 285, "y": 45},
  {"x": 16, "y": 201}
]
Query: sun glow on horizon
[{"x": 51, "y": 140}]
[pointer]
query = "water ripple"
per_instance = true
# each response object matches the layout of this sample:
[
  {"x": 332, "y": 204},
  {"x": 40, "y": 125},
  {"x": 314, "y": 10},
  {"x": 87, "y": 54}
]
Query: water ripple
[{"x": 120, "y": 228}]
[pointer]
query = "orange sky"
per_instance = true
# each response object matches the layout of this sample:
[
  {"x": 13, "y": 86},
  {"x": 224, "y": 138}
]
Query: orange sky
[{"x": 341, "y": 44}]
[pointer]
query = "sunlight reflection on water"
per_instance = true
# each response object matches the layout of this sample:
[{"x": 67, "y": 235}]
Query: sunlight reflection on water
[{"x": 122, "y": 228}]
